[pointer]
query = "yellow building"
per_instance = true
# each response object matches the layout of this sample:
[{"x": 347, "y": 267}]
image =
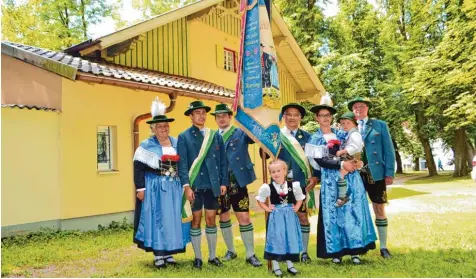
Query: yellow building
[{"x": 68, "y": 117}]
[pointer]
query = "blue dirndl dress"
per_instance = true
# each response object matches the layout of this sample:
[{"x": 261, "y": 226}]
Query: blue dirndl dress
[
  {"x": 283, "y": 230},
  {"x": 159, "y": 228},
  {"x": 346, "y": 230}
]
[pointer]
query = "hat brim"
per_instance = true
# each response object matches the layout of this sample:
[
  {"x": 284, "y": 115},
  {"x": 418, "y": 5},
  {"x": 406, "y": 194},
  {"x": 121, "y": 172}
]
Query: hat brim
[
  {"x": 351, "y": 103},
  {"x": 221, "y": 111},
  {"x": 316, "y": 109},
  {"x": 160, "y": 120},
  {"x": 301, "y": 109},
  {"x": 348, "y": 118},
  {"x": 188, "y": 111}
]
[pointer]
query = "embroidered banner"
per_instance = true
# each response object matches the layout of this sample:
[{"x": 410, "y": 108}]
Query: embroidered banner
[{"x": 257, "y": 99}]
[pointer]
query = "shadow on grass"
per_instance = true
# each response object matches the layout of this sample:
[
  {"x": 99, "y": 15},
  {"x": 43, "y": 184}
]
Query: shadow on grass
[
  {"x": 399, "y": 193},
  {"x": 446, "y": 177},
  {"x": 405, "y": 263}
]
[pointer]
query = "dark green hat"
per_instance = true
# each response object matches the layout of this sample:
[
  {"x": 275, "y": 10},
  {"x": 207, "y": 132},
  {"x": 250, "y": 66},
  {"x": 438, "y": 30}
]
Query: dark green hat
[
  {"x": 301, "y": 109},
  {"x": 325, "y": 103},
  {"x": 316, "y": 109},
  {"x": 196, "y": 105},
  {"x": 348, "y": 115},
  {"x": 359, "y": 100},
  {"x": 160, "y": 118},
  {"x": 222, "y": 108}
]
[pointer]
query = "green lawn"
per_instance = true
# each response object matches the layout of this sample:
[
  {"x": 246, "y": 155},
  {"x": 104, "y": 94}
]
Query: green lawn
[
  {"x": 444, "y": 177},
  {"x": 438, "y": 242}
]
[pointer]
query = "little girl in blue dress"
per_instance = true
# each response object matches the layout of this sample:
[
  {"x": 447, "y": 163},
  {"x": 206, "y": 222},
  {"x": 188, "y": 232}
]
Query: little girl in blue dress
[{"x": 283, "y": 231}]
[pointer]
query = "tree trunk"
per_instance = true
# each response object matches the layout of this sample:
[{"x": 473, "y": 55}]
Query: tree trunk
[
  {"x": 461, "y": 153},
  {"x": 416, "y": 162},
  {"x": 83, "y": 20},
  {"x": 397, "y": 157},
  {"x": 471, "y": 153},
  {"x": 430, "y": 163},
  {"x": 421, "y": 120}
]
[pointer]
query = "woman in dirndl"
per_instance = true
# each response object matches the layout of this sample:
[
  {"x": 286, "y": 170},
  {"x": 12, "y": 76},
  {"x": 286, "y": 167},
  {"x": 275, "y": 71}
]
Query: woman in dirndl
[
  {"x": 283, "y": 230},
  {"x": 158, "y": 226},
  {"x": 346, "y": 230}
]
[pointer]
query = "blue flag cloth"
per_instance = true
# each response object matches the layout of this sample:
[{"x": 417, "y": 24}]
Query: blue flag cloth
[{"x": 258, "y": 98}]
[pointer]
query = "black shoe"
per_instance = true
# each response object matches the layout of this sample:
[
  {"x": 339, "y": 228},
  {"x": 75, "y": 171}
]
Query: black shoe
[
  {"x": 385, "y": 253},
  {"x": 197, "y": 263},
  {"x": 305, "y": 257},
  {"x": 229, "y": 256},
  {"x": 293, "y": 271},
  {"x": 278, "y": 272},
  {"x": 159, "y": 263},
  {"x": 253, "y": 260},
  {"x": 215, "y": 262}
]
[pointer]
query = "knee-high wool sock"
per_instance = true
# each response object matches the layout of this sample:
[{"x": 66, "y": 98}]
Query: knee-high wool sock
[
  {"x": 227, "y": 233},
  {"x": 306, "y": 230},
  {"x": 211, "y": 233},
  {"x": 247, "y": 236},
  {"x": 382, "y": 225},
  {"x": 196, "y": 235},
  {"x": 342, "y": 188}
]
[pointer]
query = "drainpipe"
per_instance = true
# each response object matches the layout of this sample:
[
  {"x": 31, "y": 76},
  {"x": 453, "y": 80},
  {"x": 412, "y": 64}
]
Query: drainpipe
[{"x": 172, "y": 98}]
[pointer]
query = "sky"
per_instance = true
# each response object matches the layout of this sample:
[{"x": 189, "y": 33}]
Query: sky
[{"x": 130, "y": 14}]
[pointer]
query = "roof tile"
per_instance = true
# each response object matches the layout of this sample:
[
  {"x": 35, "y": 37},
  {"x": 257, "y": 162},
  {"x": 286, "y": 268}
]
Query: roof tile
[{"x": 127, "y": 73}]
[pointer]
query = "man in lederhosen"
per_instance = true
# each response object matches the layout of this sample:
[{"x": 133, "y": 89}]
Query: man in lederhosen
[
  {"x": 203, "y": 174},
  {"x": 379, "y": 164},
  {"x": 241, "y": 173}
]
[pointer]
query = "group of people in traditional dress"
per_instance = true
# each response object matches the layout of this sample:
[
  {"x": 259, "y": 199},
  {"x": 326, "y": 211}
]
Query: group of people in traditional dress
[{"x": 212, "y": 169}]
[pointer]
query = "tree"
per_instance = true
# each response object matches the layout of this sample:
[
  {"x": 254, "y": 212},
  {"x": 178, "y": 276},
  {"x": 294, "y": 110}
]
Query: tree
[
  {"x": 445, "y": 82},
  {"x": 152, "y": 8},
  {"x": 307, "y": 24},
  {"x": 53, "y": 24}
]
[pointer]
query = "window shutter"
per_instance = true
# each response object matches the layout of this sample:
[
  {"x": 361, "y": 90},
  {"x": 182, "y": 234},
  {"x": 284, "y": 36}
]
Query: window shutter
[{"x": 220, "y": 56}]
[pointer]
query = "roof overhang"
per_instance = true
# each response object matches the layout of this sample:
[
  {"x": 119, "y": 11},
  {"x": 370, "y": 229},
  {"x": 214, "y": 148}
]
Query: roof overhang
[
  {"x": 291, "y": 59},
  {"x": 76, "y": 68}
]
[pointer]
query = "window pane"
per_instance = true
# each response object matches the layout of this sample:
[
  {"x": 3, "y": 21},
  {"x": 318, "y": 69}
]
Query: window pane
[{"x": 103, "y": 148}]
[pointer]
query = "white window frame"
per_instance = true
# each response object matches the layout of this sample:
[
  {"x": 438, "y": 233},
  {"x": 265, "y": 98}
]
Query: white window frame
[
  {"x": 110, "y": 149},
  {"x": 229, "y": 60}
]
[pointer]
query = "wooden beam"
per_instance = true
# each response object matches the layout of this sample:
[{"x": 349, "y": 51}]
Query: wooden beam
[{"x": 90, "y": 49}]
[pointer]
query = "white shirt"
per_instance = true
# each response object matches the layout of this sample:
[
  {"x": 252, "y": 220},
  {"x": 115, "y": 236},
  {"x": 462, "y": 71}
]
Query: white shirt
[
  {"x": 168, "y": 150},
  {"x": 223, "y": 131},
  {"x": 354, "y": 143},
  {"x": 330, "y": 136},
  {"x": 264, "y": 191},
  {"x": 362, "y": 126}
]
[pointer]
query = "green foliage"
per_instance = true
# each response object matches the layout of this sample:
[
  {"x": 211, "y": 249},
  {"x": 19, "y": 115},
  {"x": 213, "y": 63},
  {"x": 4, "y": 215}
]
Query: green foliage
[
  {"x": 399, "y": 54},
  {"x": 49, "y": 234},
  {"x": 309, "y": 123},
  {"x": 306, "y": 22},
  {"x": 53, "y": 24},
  {"x": 151, "y": 8}
]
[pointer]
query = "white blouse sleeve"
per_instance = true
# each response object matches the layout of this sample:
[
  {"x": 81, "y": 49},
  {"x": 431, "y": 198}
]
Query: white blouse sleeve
[
  {"x": 298, "y": 191},
  {"x": 263, "y": 193},
  {"x": 355, "y": 144}
]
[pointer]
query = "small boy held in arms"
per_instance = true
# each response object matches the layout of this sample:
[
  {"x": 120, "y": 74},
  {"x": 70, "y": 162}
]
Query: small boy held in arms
[
  {"x": 283, "y": 234},
  {"x": 351, "y": 149}
]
